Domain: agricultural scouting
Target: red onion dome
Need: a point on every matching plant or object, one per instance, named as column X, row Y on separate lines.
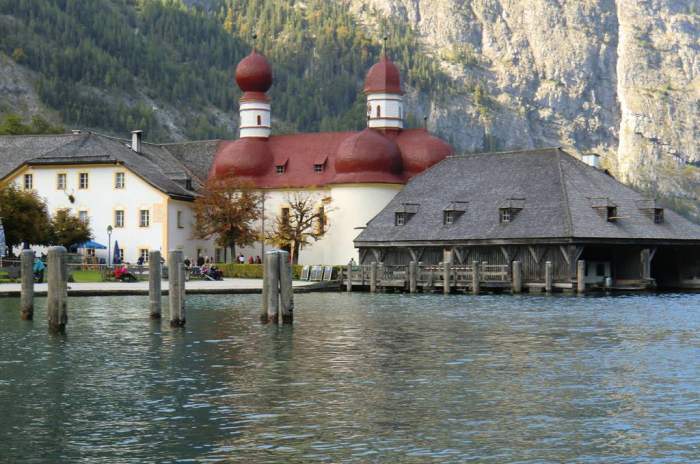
column 246, row 157
column 368, row 156
column 420, row 150
column 254, row 73
column 383, row 77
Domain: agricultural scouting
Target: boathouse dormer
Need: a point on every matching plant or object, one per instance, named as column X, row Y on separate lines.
column 405, row 213
column 651, row 208
column 605, row 208
column 509, row 208
column 453, row 212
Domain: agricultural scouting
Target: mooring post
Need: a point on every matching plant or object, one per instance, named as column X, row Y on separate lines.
column 154, row 284
column 265, row 290
column 286, row 290
column 446, row 271
column 581, row 276
column 548, row 277
column 412, row 277
column 272, row 274
column 517, row 277
column 57, row 296
column 27, row 295
column 373, row 277
column 476, row 277
column 183, row 291
column 348, row 275
column 174, row 288
column 645, row 258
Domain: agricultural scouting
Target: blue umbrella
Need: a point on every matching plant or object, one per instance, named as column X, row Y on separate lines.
column 92, row 245
column 117, row 256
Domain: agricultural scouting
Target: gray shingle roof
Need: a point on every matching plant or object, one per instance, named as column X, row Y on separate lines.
column 156, row 165
column 196, row 156
column 554, row 189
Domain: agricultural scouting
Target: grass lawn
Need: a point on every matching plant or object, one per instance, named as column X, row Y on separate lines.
column 87, row 276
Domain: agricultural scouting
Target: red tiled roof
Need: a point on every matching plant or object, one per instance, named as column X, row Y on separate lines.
column 368, row 156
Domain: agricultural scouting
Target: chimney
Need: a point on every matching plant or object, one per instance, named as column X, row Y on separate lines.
column 592, row 159
column 136, row 140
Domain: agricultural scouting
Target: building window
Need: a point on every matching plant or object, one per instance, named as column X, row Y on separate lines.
column 179, row 220
column 83, row 215
column 658, row 216
column 280, row 168
column 83, row 181
column 188, row 183
column 400, row 219
column 506, row 215
column 90, row 252
column 119, row 218
column 449, row 217
column 28, row 181
column 379, row 111
column 119, row 180
column 612, row 213
column 60, row 181
column 318, row 168
column 259, row 121
column 143, row 254
column 144, row 218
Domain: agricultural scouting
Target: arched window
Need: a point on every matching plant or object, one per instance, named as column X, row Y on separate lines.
column 379, row 111
column 259, row 121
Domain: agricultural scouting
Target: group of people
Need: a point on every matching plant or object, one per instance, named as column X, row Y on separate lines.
column 204, row 267
column 240, row 259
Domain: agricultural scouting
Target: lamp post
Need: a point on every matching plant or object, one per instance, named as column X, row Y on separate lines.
column 109, row 245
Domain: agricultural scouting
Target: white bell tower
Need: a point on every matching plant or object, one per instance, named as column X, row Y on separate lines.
column 384, row 95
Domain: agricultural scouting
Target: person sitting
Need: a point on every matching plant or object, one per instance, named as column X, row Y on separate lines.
column 38, row 270
column 122, row 273
column 213, row 273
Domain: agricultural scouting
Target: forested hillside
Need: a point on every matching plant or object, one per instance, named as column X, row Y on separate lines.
column 167, row 67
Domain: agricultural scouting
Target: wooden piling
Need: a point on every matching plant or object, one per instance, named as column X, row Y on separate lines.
column 476, row 277
column 154, row 284
column 265, row 291
column 581, row 276
column 446, row 271
column 548, row 277
column 183, row 290
column 373, row 277
column 412, row 277
column 272, row 275
column 286, row 290
column 174, row 288
column 645, row 258
column 348, row 274
column 57, row 296
column 27, row 295
column 517, row 277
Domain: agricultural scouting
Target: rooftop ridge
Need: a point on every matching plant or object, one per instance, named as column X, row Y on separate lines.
column 507, row 152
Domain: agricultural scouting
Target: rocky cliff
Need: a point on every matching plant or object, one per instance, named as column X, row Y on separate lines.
column 617, row 77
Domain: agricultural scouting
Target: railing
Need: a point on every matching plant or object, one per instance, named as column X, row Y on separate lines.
column 428, row 275
column 495, row 273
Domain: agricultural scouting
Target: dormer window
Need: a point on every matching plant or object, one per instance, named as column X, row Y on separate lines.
column 405, row 213
column 281, row 166
column 188, row 184
column 318, row 168
column 652, row 209
column 605, row 208
column 454, row 210
column 509, row 208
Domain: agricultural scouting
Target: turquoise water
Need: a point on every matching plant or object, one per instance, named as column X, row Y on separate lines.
column 359, row 378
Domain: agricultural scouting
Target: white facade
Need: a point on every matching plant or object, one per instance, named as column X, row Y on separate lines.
column 109, row 193
column 255, row 119
column 350, row 207
column 385, row 110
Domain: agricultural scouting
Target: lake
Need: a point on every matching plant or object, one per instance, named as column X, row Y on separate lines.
column 358, row 378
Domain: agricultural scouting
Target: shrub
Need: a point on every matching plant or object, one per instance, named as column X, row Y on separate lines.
column 251, row 271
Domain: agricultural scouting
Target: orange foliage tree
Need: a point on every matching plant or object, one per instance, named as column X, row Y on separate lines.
column 227, row 209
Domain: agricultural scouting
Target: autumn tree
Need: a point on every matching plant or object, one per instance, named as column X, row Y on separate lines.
column 302, row 220
column 227, row 209
column 24, row 217
column 69, row 230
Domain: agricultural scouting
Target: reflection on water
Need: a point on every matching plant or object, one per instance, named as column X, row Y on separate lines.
column 359, row 378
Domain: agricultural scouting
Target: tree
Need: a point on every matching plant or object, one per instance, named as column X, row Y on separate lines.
column 301, row 221
column 68, row 230
column 227, row 209
column 24, row 217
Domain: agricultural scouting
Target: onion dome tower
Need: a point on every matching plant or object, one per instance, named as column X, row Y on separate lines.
column 254, row 77
column 384, row 95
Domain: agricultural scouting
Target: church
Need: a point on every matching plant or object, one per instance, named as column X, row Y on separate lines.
column 141, row 194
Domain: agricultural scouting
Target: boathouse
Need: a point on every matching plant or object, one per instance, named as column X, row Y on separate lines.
column 564, row 223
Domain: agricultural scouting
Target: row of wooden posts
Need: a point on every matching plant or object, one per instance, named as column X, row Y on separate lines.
column 277, row 287
column 57, row 293
column 516, row 281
